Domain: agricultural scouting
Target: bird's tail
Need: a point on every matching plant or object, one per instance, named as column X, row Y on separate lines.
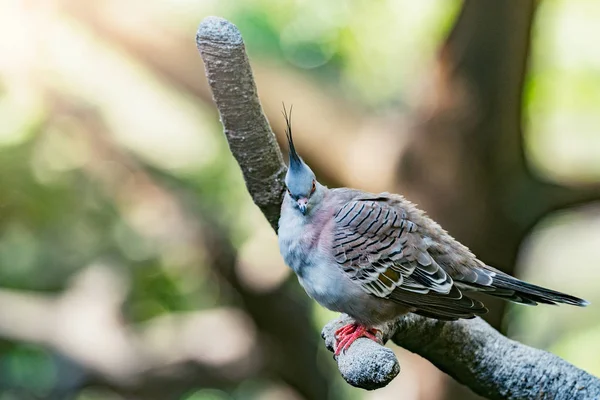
column 513, row 289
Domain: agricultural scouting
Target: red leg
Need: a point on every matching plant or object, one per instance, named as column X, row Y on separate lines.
column 347, row 334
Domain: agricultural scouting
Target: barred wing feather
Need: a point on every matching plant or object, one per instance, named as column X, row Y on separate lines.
column 380, row 248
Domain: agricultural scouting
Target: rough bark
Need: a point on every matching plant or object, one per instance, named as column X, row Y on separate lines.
column 248, row 132
column 471, row 351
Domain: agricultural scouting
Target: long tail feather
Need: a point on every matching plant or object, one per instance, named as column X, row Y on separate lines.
column 513, row 289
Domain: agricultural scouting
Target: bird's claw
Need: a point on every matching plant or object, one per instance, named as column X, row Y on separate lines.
column 347, row 334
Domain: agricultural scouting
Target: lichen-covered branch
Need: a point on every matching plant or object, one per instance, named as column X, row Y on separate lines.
column 469, row 350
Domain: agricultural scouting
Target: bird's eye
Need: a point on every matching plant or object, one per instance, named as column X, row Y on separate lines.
column 290, row 193
column 314, row 187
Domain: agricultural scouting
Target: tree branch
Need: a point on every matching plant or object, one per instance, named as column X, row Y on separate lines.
column 166, row 356
column 250, row 137
column 469, row 350
column 295, row 340
column 550, row 197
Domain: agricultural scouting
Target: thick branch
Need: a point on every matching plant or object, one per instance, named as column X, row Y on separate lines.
column 473, row 353
column 365, row 364
column 488, row 48
column 248, row 132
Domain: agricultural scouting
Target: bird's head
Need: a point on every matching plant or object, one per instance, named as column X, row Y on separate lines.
column 303, row 190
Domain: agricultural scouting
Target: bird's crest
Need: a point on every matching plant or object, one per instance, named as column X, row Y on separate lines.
column 295, row 160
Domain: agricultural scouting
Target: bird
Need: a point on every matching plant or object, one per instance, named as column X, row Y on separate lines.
column 376, row 257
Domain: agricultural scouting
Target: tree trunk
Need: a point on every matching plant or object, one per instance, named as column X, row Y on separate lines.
column 465, row 163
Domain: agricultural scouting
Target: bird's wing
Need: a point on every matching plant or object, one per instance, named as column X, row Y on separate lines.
column 379, row 247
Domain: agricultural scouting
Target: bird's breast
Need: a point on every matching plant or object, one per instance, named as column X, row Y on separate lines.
column 297, row 238
column 296, row 249
column 303, row 249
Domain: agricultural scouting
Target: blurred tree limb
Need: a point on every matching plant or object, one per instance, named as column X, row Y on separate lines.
column 470, row 351
column 199, row 229
column 467, row 145
column 155, row 361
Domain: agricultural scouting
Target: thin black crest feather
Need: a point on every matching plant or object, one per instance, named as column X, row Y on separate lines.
column 294, row 157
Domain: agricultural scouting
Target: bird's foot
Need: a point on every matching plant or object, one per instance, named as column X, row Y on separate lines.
column 347, row 334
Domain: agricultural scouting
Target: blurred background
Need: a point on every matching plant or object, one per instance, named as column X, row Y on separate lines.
column 133, row 263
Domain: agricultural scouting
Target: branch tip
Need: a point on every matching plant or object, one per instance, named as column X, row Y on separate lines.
column 217, row 29
column 366, row 364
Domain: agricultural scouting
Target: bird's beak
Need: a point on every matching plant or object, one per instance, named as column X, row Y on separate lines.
column 302, row 204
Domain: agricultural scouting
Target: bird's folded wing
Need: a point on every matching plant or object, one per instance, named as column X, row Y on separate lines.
column 380, row 248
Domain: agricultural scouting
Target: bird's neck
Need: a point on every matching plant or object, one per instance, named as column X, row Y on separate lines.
column 290, row 214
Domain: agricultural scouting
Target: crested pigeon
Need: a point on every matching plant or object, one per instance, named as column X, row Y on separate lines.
column 376, row 257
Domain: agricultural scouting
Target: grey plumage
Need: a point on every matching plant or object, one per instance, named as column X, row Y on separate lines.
column 376, row 257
